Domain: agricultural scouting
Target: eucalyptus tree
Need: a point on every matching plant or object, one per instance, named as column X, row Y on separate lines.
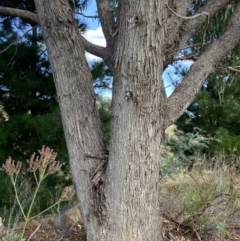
column 118, row 188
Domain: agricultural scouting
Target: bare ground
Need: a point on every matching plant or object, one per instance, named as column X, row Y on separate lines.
column 39, row 230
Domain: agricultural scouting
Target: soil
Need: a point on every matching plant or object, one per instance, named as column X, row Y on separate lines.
column 44, row 229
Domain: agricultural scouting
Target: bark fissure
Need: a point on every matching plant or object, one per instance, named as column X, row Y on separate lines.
column 98, row 179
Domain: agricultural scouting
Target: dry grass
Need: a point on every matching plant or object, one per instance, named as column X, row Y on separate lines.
column 205, row 200
column 44, row 229
column 200, row 205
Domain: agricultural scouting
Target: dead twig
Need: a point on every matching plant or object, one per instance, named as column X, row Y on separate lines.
column 198, row 237
column 188, row 17
column 39, row 225
column 234, row 68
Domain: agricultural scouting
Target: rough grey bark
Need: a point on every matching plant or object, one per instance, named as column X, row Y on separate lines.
column 118, row 195
column 136, row 123
column 80, row 117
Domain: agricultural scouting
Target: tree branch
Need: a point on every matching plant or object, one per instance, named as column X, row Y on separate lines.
column 188, row 17
column 86, row 16
column 173, row 24
column 99, row 51
column 106, row 19
column 93, row 48
column 23, row 14
column 32, row 18
column 190, row 27
column 191, row 84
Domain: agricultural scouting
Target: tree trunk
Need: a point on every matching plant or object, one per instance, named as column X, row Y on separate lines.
column 80, row 117
column 125, row 205
column 133, row 170
column 119, row 196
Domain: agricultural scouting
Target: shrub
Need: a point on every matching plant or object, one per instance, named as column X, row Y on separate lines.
column 207, row 198
column 41, row 167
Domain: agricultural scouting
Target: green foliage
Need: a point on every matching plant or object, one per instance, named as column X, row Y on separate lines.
column 20, row 65
column 213, row 28
column 12, row 237
column 25, row 131
column 229, row 142
column 216, row 109
column 179, row 150
column 104, row 105
column 7, row 199
column 102, row 77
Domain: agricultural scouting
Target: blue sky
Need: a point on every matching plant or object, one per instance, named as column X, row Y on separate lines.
column 91, row 11
column 94, row 31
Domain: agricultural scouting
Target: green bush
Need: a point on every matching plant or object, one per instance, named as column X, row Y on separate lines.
column 179, row 149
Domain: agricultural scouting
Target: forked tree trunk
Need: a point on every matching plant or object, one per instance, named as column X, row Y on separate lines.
column 119, row 196
column 123, row 205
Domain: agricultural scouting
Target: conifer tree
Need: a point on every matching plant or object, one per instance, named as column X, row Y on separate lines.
column 29, row 111
column 216, row 109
